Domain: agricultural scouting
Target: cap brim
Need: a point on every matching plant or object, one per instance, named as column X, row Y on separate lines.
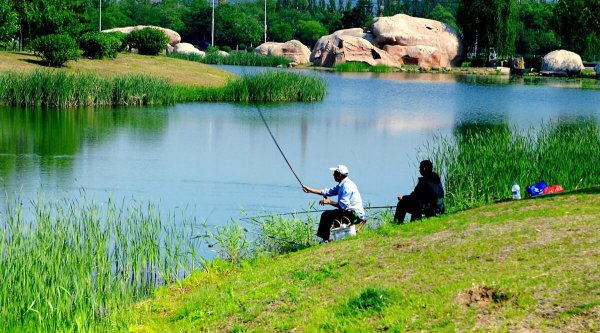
column 333, row 169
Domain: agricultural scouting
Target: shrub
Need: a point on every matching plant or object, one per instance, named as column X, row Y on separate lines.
column 98, row 45
column 226, row 48
column 122, row 37
column 148, row 41
column 56, row 50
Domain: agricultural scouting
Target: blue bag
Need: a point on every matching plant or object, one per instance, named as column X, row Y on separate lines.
column 536, row 189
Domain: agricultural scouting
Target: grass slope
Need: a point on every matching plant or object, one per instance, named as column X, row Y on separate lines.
column 528, row 266
column 177, row 71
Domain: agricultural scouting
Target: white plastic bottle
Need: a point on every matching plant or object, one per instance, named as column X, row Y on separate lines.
column 516, row 191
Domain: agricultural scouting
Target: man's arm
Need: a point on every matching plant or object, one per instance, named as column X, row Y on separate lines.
column 308, row 189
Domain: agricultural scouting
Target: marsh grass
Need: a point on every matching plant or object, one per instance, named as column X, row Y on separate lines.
column 235, row 58
column 67, row 265
column 276, row 86
column 59, row 89
column 481, row 162
column 355, row 66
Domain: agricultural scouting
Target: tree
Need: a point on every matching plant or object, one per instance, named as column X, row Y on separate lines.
column 578, row 23
column 310, row 31
column 9, row 22
column 359, row 16
column 535, row 32
column 234, row 26
column 488, row 25
column 440, row 13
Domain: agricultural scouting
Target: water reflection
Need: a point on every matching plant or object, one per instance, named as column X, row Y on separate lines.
column 44, row 142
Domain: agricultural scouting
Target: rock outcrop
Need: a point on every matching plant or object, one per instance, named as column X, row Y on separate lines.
column 292, row 50
column 562, row 62
column 187, row 48
column 414, row 40
column 349, row 45
column 174, row 37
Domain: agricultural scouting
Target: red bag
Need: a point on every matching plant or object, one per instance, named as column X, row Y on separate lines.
column 553, row 189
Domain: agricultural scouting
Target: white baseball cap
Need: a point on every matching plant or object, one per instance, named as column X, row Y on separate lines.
column 341, row 169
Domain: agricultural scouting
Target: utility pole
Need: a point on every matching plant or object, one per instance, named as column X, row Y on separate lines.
column 265, row 21
column 100, row 17
column 212, row 25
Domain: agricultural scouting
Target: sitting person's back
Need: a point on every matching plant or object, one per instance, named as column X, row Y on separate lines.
column 427, row 197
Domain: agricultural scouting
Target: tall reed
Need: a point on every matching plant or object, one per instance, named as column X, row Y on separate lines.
column 273, row 86
column 481, row 162
column 59, row 89
column 356, row 66
column 66, row 265
column 235, row 58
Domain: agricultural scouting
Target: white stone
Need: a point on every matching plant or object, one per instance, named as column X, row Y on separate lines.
column 174, row 37
column 562, row 62
column 349, row 45
column 292, row 50
column 433, row 43
column 187, row 48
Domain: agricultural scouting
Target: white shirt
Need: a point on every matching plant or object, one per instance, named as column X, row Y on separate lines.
column 348, row 196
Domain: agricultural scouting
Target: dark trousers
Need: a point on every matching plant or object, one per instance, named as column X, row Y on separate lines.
column 408, row 205
column 328, row 218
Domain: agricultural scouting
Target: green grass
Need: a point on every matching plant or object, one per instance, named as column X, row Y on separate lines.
column 68, row 265
column 264, row 87
column 60, row 89
column 480, row 163
column 355, row 66
column 500, row 268
column 235, row 58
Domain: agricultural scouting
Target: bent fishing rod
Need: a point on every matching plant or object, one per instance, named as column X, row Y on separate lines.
column 277, row 144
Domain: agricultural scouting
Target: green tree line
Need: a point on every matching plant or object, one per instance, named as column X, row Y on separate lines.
column 504, row 27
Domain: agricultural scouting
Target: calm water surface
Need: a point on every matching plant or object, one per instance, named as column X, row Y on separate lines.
column 218, row 159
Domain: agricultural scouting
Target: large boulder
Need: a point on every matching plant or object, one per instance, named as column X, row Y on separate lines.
column 174, row 37
column 562, row 62
column 292, row 50
column 187, row 48
column 415, row 40
column 597, row 68
column 349, row 45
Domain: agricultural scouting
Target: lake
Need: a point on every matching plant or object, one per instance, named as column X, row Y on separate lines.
column 217, row 160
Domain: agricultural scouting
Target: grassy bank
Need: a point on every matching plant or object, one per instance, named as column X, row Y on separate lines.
column 479, row 163
column 175, row 71
column 527, row 265
column 60, row 89
column 67, row 265
column 235, row 58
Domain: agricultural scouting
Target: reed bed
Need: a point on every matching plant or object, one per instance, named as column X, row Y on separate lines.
column 273, row 86
column 355, row 66
column 236, row 59
column 59, row 89
column 481, row 162
column 68, row 265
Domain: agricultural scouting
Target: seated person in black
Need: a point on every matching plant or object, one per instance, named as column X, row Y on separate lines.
column 427, row 197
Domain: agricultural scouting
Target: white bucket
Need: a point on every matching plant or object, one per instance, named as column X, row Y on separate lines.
column 343, row 231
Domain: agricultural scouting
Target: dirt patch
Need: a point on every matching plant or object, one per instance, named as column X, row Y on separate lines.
column 482, row 296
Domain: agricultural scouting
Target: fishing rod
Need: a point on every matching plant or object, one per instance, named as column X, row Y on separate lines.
column 306, row 212
column 277, row 144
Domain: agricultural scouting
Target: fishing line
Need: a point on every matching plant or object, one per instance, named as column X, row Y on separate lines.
column 277, row 144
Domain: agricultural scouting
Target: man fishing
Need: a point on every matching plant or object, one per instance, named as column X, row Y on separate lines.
column 427, row 197
column 349, row 204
